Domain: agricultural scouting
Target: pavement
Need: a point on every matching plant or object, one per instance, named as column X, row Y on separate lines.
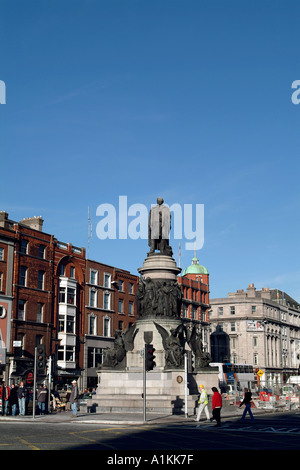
column 125, row 418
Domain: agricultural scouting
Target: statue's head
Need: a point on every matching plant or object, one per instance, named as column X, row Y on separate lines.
column 160, row 201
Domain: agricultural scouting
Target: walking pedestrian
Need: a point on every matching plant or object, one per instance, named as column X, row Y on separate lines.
column 4, row 395
column 13, row 399
column 216, row 406
column 74, row 398
column 42, row 398
column 22, row 397
column 203, row 403
column 247, row 402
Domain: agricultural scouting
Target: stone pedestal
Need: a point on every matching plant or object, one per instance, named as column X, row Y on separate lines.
column 158, row 266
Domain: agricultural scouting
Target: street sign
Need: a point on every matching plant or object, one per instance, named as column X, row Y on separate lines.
column 260, row 373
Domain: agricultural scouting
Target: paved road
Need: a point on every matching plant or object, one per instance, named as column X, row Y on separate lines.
column 278, row 431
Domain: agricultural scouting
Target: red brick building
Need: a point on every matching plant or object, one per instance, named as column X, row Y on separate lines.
column 28, row 280
column 194, row 282
column 51, row 294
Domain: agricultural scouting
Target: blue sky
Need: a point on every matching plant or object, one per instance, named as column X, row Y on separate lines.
column 184, row 99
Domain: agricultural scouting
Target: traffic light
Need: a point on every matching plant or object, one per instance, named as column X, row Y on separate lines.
column 190, row 362
column 41, row 360
column 149, row 357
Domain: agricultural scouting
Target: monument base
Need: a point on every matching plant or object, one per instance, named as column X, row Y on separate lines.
column 122, row 391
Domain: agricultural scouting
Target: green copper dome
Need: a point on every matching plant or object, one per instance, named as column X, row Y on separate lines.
column 195, row 268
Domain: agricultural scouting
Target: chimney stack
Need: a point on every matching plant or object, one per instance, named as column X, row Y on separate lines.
column 36, row 223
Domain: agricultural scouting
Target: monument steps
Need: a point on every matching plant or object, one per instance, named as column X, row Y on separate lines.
column 170, row 404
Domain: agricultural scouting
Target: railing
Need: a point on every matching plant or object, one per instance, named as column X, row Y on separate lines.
column 278, row 397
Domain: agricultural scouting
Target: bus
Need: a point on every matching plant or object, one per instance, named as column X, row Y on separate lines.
column 237, row 375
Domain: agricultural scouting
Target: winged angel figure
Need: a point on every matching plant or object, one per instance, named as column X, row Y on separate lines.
column 202, row 359
column 123, row 342
column 173, row 344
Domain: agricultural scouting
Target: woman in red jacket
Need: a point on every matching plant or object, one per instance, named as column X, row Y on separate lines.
column 216, row 406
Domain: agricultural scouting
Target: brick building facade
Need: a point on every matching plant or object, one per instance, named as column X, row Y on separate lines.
column 51, row 294
column 68, row 311
column 110, row 306
column 30, row 320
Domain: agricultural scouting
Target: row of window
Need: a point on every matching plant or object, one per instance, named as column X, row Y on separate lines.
column 255, row 358
column 62, row 271
column 24, row 278
column 67, row 295
column 233, row 311
column 189, row 311
column 24, row 248
column 94, row 279
column 234, row 342
column 107, row 302
column 195, row 294
column 270, row 311
column 22, row 311
column 67, row 353
column 66, row 323
column 92, row 325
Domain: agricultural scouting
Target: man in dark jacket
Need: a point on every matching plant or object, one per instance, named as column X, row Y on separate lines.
column 247, row 402
column 74, row 398
column 13, row 399
column 22, row 396
column 42, row 399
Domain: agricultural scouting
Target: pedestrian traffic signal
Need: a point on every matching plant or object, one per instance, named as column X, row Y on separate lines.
column 41, row 360
column 149, row 357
